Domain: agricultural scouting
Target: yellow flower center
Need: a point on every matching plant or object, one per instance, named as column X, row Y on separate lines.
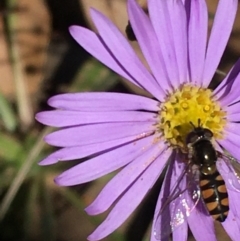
column 185, row 105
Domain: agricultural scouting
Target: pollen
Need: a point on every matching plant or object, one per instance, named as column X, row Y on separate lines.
column 185, row 106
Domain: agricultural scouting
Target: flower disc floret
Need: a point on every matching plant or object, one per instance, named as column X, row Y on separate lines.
column 187, row 105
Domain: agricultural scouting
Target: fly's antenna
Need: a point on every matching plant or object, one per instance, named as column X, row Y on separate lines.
column 199, row 122
column 194, row 127
column 198, row 126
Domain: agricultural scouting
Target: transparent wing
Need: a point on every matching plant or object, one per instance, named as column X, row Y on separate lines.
column 183, row 197
column 232, row 171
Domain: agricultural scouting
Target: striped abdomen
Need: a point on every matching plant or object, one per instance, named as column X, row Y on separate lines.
column 215, row 195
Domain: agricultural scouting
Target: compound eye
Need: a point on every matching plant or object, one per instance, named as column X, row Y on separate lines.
column 207, row 133
column 191, row 138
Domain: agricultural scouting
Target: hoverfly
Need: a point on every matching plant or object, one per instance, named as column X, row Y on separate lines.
column 200, row 180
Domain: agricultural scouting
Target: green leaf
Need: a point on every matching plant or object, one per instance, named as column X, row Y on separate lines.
column 7, row 114
column 31, row 189
column 10, row 147
column 47, row 219
column 94, row 76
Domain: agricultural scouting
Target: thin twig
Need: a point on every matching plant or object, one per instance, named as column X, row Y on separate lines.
column 221, row 72
column 23, row 100
column 21, row 175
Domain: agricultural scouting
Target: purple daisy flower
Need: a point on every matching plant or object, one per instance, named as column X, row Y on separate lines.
column 144, row 135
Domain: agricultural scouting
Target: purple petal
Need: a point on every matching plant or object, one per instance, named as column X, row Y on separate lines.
column 231, row 133
column 223, row 88
column 232, row 224
column 160, row 18
column 167, row 206
column 233, row 109
column 131, row 199
column 181, row 233
column 234, row 206
column 232, row 128
column 200, row 224
column 224, row 169
column 123, row 52
column 124, row 179
column 178, row 22
column 93, row 44
column 231, row 147
column 96, row 133
column 85, row 150
column 187, row 5
column 103, row 101
column 232, row 92
column 234, row 117
column 162, row 230
column 63, row 118
column 197, row 38
column 222, row 27
column 148, row 42
column 104, row 164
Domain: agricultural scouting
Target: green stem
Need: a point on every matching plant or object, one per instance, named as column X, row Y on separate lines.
column 21, row 175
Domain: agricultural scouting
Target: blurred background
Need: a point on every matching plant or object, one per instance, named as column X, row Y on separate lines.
column 38, row 59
